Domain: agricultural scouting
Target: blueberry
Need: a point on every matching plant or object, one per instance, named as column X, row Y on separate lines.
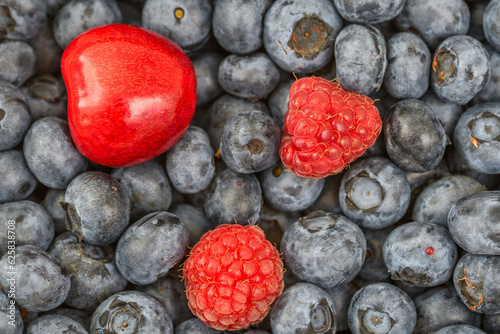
column 233, row 197
column 374, row 269
column 92, row 269
column 77, row 16
column 369, row 11
column 97, row 208
column 304, row 308
column 286, row 191
column 418, row 180
column 80, row 316
column 53, row 323
column 250, row 142
column 28, row 276
column 52, row 203
column 46, row 96
column 440, row 307
column 490, row 24
column 460, row 69
column 414, row 137
column 194, row 326
column 299, row 35
column 17, row 181
column 491, row 323
column 381, row 308
column 15, row 116
column 324, row 249
column 447, row 112
column 276, row 222
column 150, row 247
column 48, row 52
column 278, row 101
column 190, row 162
column 435, row 201
column 476, row 137
column 434, row 20
column 186, row 22
column 237, row 24
column 130, row 312
column 148, row 187
column 374, row 193
column 477, row 9
column 17, row 61
column 25, row 223
column 194, row 219
column 328, row 199
column 342, row 295
column 408, row 67
column 252, row 76
column 22, row 19
column 491, row 91
column 10, row 315
column 206, row 66
column 420, row 254
column 460, row 329
column 361, row 58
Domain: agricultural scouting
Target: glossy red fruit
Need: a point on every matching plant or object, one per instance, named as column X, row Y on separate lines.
column 131, row 93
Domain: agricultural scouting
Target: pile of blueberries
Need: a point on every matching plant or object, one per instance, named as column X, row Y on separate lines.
column 404, row 240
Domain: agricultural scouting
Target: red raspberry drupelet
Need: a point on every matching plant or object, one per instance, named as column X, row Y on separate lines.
column 232, row 276
column 326, row 127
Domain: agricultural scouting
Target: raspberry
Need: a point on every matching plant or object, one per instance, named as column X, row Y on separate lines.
column 326, row 127
column 232, row 276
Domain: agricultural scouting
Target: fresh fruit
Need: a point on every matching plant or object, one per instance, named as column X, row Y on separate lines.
column 131, row 94
column 232, row 276
column 326, row 127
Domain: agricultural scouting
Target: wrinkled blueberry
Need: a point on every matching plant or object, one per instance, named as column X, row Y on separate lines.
column 15, row 116
column 17, row 181
column 53, row 323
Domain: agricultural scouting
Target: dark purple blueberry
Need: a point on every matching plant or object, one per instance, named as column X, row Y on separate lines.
column 92, row 269
column 206, row 66
column 24, row 223
column 435, row 201
column 52, row 202
column 374, row 269
column 190, row 162
column 324, row 249
column 286, row 191
column 460, row 329
column 195, row 326
column 131, row 312
column 460, row 69
column 342, row 295
column 447, row 112
column 250, row 142
column 48, row 52
column 186, row 22
column 328, row 199
column 420, row 254
column 369, row 11
column 408, row 66
column 374, row 193
column 278, row 101
column 97, row 208
column 361, row 58
column 299, row 35
column 46, row 96
column 54, row 323
column 17, row 181
column 10, row 315
column 440, row 307
column 233, row 197
column 490, row 24
column 304, row 308
column 491, row 323
column 22, row 18
column 194, row 219
column 36, row 278
column 15, row 116
column 414, row 137
column 237, row 24
column 491, row 91
column 150, row 247
column 381, row 308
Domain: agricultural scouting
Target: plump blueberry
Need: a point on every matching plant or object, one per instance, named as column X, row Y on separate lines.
column 11, row 321
column 460, row 329
column 190, row 162
column 369, row 11
column 51, row 154
column 17, row 181
column 170, row 291
column 237, row 24
column 491, row 91
column 374, row 269
column 233, row 197
column 278, row 101
column 420, row 254
column 299, row 35
column 194, row 219
column 324, row 249
column 440, row 307
column 22, row 19
column 206, row 66
column 361, row 58
column 408, row 66
column 52, row 203
column 150, row 247
column 48, row 52
column 447, row 112
column 286, row 191
column 186, row 22
column 490, row 24
column 435, row 201
column 46, row 96
column 194, row 326
column 381, row 308
column 434, row 20
column 304, row 308
column 250, row 142
column 15, row 116
column 476, row 137
column 80, row 316
column 328, row 199
column 460, row 69
column 24, row 223
column 97, row 208
column 92, row 269
column 491, row 323
column 414, row 137
column 252, row 76
column 130, row 312
column 78, row 16
column 17, row 61
column 54, row 323
column 28, row 273
column 342, row 295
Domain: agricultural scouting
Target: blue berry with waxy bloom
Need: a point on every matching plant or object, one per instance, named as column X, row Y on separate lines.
column 369, row 11
column 447, row 112
column 374, row 269
column 490, row 23
column 52, row 202
column 195, row 326
column 16, row 72
column 342, row 295
column 54, row 323
column 491, row 91
column 278, row 101
column 17, row 180
column 11, row 321
column 193, row 217
column 15, row 115
column 328, row 199
column 23, row 19
column 46, row 96
column 81, row 316
column 491, row 323
column 206, row 65
column 48, row 52
column 460, row 329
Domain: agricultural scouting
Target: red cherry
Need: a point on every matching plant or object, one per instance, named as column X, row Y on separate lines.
column 429, row 250
column 131, row 94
